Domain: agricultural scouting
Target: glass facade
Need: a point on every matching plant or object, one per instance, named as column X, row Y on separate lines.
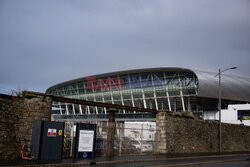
column 153, row 89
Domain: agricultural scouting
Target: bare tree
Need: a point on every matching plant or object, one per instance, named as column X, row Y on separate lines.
column 18, row 92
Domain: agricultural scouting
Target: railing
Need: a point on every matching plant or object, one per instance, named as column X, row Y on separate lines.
column 105, row 116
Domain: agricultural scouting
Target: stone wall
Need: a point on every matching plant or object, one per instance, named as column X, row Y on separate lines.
column 16, row 119
column 181, row 133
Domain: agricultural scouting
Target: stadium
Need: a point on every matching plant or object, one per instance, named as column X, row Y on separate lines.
column 172, row 89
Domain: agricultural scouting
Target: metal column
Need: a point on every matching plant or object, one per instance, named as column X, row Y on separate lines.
column 155, row 98
column 181, row 93
column 73, row 108
column 67, row 110
column 60, row 107
column 103, row 100
column 166, row 86
column 80, row 108
column 86, row 96
column 131, row 93
column 143, row 93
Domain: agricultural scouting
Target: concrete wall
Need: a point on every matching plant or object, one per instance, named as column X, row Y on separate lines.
column 16, row 119
column 179, row 133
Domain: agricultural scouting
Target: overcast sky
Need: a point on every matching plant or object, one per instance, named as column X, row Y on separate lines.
column 45, row 42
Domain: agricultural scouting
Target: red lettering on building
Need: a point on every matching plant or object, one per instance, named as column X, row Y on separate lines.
column 101, row 84
column 119, row 83
column 90, row 82
column 110, row 83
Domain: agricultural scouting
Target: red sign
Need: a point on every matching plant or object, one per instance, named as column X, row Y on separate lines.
column 51, row 133
column 109, row 83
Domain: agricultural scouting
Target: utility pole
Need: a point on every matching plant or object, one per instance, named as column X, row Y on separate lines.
column 219, row 105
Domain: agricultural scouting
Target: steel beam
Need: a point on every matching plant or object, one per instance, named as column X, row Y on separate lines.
column 99, row 104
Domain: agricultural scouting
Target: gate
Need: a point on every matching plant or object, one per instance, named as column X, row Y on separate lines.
column 114, row 137
column 136, row 138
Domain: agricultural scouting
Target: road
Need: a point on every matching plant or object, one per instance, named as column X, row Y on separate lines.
column 242, row 160
column 212, row 160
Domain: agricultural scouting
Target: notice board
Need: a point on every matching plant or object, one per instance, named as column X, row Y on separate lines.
column 85, row 140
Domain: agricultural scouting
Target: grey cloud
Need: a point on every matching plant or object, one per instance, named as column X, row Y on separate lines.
column 46, row 42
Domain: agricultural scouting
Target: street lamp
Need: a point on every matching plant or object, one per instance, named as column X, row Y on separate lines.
column 221, row 71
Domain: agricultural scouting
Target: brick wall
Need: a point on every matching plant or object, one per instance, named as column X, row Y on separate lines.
column 16, row 119
column 180, row 133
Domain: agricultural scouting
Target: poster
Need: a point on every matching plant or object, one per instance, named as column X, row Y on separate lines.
column 86, row 141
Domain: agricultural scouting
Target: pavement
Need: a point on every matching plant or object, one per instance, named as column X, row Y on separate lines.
column 141, row 160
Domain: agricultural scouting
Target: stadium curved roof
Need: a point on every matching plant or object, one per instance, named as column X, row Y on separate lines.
column 233, row 87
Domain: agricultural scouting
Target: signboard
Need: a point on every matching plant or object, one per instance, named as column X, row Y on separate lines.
column 60, row 132
column 51, row 133
column 86, row 141
column 135, row 82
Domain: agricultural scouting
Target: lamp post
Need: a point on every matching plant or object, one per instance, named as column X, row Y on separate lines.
column 221, row 71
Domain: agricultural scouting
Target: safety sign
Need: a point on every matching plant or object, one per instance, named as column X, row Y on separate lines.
column 51, row 133
column 59, row 132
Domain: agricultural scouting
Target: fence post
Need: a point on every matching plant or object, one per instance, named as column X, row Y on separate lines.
column 111, row 134
column 141, row 143
column 120, row 139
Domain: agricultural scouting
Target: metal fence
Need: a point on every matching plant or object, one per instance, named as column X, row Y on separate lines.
column 129, row 138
